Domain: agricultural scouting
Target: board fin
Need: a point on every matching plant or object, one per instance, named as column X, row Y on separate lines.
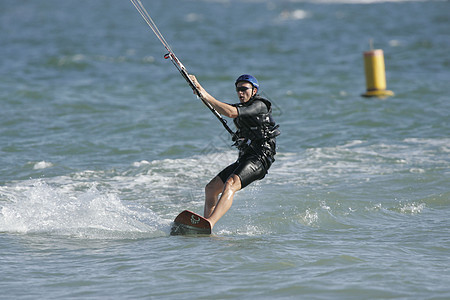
column 188, row 222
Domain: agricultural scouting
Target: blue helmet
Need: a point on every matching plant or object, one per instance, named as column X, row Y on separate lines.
column 248, row 78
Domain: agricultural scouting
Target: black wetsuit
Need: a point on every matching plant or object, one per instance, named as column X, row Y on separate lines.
column 256, row 141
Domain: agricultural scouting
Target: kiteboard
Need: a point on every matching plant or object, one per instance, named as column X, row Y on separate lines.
column 188, row 222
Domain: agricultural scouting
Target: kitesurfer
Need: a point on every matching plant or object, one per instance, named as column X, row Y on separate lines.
column 255, row 138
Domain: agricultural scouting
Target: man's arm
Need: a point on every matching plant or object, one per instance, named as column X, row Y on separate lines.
column 223, row 108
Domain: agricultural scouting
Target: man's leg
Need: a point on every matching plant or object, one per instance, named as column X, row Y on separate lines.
column 232, row 185
column 212, row 191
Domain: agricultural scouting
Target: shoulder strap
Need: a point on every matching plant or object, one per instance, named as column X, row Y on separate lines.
column 266, row 102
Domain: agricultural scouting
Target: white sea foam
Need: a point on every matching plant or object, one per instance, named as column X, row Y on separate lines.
column 40, row 207
column 140, row 163
column 297, row 14
column 42, row 165
column 88, row 203
column 359, row 160
column 412, row 208
column 310, row 218
column 91, row 201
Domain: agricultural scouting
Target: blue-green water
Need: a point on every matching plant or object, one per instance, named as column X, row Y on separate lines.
column 102, row 144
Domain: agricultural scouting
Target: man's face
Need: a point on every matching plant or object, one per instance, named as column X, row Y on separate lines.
column 245, row 91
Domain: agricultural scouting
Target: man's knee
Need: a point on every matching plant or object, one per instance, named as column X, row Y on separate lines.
column 233, row 183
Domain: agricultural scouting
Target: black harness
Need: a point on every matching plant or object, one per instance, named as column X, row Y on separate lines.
column 256, row 129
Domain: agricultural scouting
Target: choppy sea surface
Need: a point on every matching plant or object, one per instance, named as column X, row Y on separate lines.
column 102, row 144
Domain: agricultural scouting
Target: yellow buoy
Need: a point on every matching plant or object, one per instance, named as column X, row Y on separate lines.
column 375, row 74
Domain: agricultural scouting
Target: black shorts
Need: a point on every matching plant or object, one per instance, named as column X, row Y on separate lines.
column 248, row 170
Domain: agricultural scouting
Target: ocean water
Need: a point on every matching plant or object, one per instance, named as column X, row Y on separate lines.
column 102, row 144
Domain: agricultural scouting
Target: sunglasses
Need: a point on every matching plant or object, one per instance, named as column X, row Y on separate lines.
column 243, row 89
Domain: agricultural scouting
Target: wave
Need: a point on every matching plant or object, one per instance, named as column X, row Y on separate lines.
column 140, row 201
column 325, row 187
column 38, row 207
column 362, row 160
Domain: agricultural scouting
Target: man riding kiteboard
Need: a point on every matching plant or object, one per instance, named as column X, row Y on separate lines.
column 255, row 138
